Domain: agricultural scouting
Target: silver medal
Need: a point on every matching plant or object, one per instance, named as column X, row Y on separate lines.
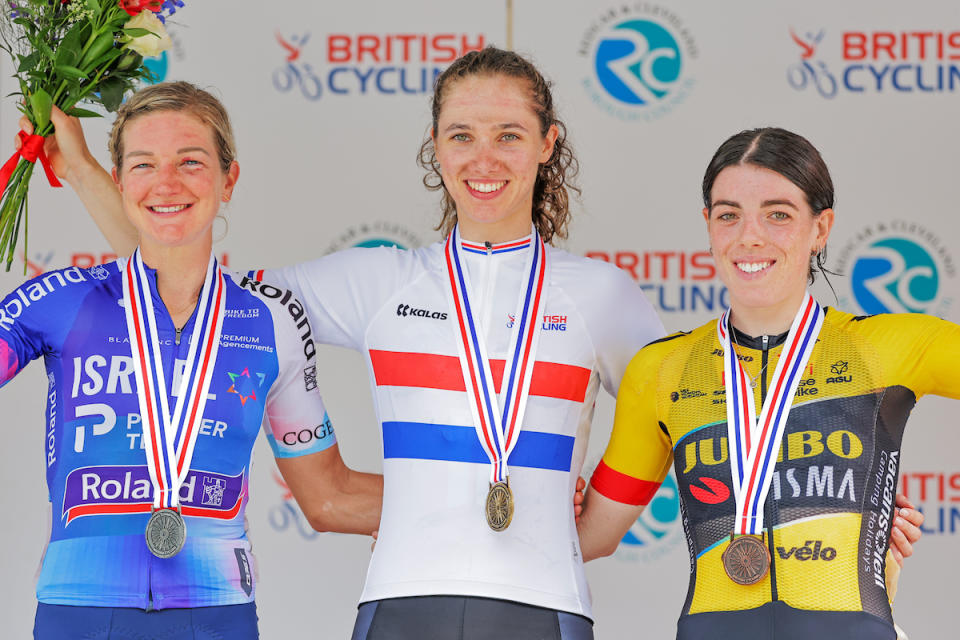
column 166, row 533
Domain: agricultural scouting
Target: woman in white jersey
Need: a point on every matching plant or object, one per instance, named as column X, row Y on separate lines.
column 461, row 546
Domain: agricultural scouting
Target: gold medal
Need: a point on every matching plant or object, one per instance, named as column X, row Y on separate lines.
column 746, row 559
column 499, row 506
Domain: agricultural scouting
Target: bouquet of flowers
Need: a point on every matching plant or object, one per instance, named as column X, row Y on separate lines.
column 66, row 52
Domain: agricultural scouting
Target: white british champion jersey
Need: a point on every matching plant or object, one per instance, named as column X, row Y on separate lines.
column 434, row 539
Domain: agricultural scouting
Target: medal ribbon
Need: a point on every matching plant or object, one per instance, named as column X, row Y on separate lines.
column 753, row 443
column 169, row 440
column 498, row 424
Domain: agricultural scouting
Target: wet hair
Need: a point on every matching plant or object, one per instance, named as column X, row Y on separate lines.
column 551, row 201
column 176, row 96
column 790, row 155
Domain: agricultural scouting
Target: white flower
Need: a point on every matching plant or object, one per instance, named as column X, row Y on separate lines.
column 155, row 42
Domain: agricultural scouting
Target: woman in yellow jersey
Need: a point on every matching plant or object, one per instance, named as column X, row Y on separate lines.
column 787, row 458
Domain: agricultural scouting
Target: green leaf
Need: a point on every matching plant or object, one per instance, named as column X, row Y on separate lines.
column 77, row 112
column 111, row 93
column 94, row 5
column 41, row 103
column 71, row 73
column 29, row 61
column 101, row 45
column 68, row 51
column 136, row 32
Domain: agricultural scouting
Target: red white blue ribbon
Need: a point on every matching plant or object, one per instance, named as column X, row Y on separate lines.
column 169, row 439
column 498, row 421
column 754, row 443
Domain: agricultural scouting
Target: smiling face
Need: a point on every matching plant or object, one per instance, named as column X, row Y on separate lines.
column 171, row 181
column 489, row 147
column 763, row 232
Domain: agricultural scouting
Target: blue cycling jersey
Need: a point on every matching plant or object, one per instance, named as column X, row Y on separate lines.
column 97, row 477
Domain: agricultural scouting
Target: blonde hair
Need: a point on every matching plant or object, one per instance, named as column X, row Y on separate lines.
column 176, row 96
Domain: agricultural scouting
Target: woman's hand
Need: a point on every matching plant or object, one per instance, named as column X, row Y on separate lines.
column 66, row 148
column 906, row 529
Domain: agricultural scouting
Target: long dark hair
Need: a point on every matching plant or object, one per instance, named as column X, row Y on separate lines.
column 551, row 201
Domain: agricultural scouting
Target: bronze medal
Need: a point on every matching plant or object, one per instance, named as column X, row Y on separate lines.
column 166, row 533
column 499, row 506
column 746, row 559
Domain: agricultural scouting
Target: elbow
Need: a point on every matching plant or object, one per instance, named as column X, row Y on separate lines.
column 321, row 516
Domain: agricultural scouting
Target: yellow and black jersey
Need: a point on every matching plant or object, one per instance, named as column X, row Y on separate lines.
column 829, row 510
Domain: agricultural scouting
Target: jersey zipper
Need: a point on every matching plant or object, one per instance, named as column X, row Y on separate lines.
column 179, row 331
column 774, row 594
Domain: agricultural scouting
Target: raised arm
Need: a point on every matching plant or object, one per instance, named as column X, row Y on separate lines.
column 72, row 161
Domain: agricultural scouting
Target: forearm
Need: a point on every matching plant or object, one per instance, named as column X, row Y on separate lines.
column 99, row 195
column 352, row 506
column 603, row 524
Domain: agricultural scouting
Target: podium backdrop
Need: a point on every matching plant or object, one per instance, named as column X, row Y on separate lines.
column 331, row 101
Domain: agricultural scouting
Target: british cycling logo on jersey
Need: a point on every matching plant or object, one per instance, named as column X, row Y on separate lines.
column 921, row 62
column 897, row 267
column 550, row 322
column 639, row 58
column 658, row 529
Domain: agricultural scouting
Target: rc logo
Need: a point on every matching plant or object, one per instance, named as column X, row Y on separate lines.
column 376, row 234
column 639, row 58
column 657, row 530
column 897, row 267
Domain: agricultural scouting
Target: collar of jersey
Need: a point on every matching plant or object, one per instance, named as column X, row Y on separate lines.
column 513, row 247
column 160, row 309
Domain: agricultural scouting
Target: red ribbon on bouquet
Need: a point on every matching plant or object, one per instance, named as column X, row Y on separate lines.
column 31, row 149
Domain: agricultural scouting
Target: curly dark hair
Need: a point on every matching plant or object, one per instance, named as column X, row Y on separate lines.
column 551, row 201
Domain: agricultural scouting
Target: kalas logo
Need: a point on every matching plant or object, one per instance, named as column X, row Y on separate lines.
column 897, row 267
column 639, row 58
column 674, row 281
column 368, row 63
column 920, row 61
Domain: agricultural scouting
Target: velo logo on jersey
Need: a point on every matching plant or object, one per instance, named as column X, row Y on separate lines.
column 340, row 64
column 639, row 60
column 919, row 61
column 897, row 267
column 657, row 530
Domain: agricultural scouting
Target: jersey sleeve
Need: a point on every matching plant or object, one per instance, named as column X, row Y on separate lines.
column 342, row 291
column 22, row 317
column 639, row 454
column 925, row 351
column 622, row 321
column 295, row 421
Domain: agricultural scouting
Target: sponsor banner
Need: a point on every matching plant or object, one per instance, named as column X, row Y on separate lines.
column 315, row 65
column 658, row 530
column 900, row 266
column 937, row 495
column 912, row 59
column 379, row 233
column 674, row 280
column 637, row 61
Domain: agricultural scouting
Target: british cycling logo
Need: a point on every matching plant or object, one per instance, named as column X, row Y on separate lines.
column 366, row 64
column 936, row 494
column 657, row 530
column 375, row 234
column 897, row 267
column 287, row 514
column 639, row 58
column 674, row 280
column 921, row 61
